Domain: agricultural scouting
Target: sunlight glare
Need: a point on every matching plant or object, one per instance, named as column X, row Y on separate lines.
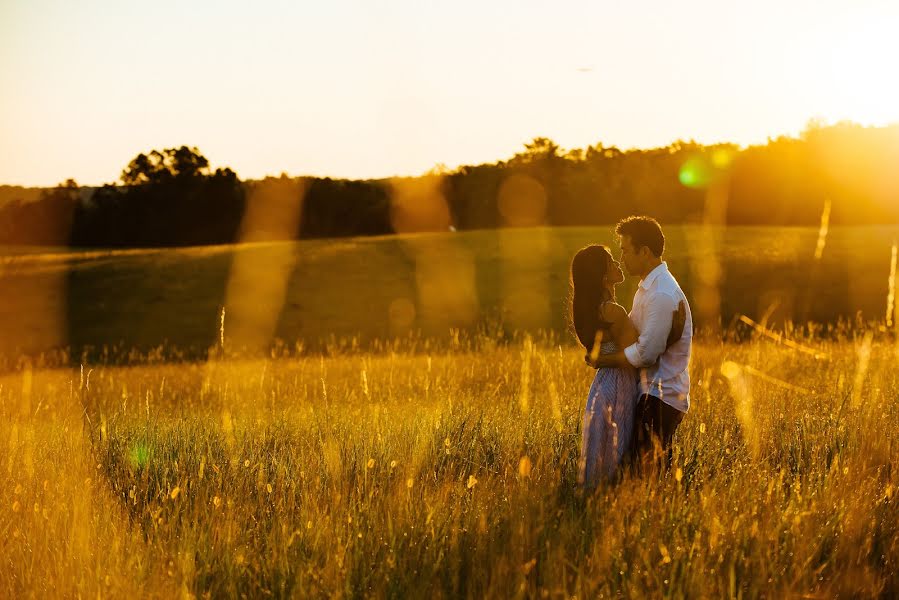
column 861, row 86
column 695, row 172
column 418, row 205
column 257, row 286
column 522, row 202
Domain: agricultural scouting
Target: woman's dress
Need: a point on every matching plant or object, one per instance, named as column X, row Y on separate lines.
column 608, row 422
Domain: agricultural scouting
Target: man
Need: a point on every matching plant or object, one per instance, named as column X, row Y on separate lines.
column 664, row 384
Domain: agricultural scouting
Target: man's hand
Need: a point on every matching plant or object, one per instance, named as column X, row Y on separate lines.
column 678, row 320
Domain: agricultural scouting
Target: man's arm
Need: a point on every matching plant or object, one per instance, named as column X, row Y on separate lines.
column 608, row 360
column 653, row 339
column 618, row 359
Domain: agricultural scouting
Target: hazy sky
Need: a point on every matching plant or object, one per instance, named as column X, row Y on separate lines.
column 369, row 88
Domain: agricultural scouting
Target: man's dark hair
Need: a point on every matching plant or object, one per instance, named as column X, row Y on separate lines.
column 643, row 231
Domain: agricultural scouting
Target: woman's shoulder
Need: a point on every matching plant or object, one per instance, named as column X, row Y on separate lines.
column 612, row 312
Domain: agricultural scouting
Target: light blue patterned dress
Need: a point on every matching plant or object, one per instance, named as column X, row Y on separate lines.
column 608, row 422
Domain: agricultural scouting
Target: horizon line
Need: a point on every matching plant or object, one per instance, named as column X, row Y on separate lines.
column 810, row 124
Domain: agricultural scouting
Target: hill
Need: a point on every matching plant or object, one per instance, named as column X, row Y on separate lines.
column 321, row 293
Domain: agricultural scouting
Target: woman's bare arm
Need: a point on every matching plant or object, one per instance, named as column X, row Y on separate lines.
column 623, row 331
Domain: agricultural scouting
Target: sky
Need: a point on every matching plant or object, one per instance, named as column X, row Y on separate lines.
column 371, row 88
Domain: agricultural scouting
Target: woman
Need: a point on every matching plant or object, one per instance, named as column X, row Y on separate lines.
column 602, row 326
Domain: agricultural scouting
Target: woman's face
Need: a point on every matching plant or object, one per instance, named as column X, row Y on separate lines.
column 614, row 274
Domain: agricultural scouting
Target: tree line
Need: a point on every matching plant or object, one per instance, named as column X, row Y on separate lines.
column 172, row 197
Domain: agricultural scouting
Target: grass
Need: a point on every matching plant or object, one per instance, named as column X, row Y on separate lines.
column 325, row 293
column 447, row 474
column 442, row 461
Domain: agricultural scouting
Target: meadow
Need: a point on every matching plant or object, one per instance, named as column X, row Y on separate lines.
column 447, row 475
column 442, row 465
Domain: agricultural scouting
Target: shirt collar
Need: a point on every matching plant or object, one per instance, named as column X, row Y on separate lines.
column 653, row 275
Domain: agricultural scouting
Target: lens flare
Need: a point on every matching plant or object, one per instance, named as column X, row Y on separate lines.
column 522, row 202
column 526, row 256
column 705, row 245
column 445, row 281
column 418, row 205
column 744, row 404
column 701, row 171
column 721, row 158
column 139, row 456
column 401, row 313
column 864, row 357
column 891, row 291
column 33, row 315
column 257, row 286
column 823, row 229
column 730, row 369
column 695, row 173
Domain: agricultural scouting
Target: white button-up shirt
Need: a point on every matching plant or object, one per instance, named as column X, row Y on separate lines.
column 663, row 373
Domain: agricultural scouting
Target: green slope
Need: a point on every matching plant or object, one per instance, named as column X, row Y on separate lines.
column 381, row 288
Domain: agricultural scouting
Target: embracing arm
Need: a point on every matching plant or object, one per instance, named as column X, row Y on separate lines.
column 657, row 327
column 628, row 338
column 618, row 359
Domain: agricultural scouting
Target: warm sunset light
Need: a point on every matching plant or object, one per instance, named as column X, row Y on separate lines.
column 472, row 299
column 858, row 84
column 359, row 90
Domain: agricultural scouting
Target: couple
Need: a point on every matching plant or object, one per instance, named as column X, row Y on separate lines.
column 641, row 390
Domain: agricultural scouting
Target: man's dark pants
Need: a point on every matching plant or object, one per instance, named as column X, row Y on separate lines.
column 655, row 423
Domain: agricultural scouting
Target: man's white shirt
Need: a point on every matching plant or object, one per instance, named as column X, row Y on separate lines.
column 663, row 373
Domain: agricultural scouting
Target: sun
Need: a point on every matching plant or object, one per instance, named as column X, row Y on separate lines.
column 861, row 84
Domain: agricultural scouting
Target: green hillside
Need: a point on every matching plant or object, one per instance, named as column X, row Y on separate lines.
column 381, row 288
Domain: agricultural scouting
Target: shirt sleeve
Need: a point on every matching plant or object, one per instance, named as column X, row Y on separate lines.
column 657, row 325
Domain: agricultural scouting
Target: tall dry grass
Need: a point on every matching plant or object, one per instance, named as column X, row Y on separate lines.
column 446, row 475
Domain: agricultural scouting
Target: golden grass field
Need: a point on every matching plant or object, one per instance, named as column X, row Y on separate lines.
column 448, row 474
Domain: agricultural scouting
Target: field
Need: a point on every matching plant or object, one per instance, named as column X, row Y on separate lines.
column 439, row 466
column 446, row 475
column 328, row 293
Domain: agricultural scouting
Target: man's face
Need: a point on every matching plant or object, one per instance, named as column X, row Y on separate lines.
column 632, row 259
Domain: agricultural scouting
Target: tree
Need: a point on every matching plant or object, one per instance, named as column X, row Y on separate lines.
column 170, row 198
column 46, row 221
column 540, row 149
column 161, row 167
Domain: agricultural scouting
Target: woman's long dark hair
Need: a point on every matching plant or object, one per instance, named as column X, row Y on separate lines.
column 588, row 268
